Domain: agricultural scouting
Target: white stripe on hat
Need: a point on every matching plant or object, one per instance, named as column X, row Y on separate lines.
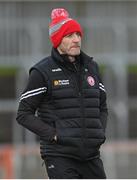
column 56, row 27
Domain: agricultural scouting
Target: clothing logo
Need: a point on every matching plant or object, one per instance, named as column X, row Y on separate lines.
column 51, row 166
column 56, row 70
column 61, row 82
column 56, row 82
column 91, row 81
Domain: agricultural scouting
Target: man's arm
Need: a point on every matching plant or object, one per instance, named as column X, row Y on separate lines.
column 29, row 102
column 103, row 101
column 103, row 109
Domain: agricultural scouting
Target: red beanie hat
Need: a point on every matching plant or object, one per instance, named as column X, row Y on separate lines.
column 61, row 26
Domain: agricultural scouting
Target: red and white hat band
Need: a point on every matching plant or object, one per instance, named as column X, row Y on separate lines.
column 56, row 27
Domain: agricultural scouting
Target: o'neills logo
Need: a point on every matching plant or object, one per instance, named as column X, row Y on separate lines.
column 61, row 82
column 91, row 81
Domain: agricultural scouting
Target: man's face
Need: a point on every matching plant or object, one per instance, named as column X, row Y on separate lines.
column 70, row 44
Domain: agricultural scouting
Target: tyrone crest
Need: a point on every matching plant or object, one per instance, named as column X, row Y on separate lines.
column 91, row 80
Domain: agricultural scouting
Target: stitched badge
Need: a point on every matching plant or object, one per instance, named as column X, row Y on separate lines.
column 91, row 80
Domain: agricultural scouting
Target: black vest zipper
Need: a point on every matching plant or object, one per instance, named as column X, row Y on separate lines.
column 78, row 80
column 76, row 77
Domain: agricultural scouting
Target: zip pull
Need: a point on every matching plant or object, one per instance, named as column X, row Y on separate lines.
column 79, row 93
column 75, row 66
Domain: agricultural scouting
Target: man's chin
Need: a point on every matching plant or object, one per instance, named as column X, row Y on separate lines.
column 76, row 53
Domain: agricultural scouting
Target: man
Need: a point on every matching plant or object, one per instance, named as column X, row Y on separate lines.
column 66, row 91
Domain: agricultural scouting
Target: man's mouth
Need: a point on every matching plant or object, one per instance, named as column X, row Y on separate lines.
column 75, row 47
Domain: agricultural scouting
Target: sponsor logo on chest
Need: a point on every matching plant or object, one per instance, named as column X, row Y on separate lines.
column 61, row 82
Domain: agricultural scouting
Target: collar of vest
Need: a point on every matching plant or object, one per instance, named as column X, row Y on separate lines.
column 55, row 55
column 63, row 60
column 82, row 60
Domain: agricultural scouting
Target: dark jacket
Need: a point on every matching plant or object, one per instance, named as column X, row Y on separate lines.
column 70, row 101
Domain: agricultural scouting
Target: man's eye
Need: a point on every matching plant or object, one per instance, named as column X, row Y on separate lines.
column 69, row 35
column 78, row 34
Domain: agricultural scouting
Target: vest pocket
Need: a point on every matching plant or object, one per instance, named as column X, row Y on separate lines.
column 68, row 136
